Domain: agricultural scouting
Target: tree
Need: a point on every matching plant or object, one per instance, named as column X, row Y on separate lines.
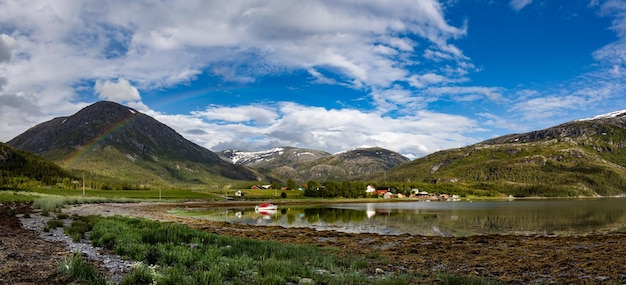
column 312, row 189
column 276, row 184
column 66, row 182
column 291, row 184
column 330, row 190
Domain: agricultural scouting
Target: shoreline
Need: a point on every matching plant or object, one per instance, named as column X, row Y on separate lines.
column 507, row 258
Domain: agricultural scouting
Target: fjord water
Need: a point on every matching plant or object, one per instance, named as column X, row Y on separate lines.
column 465, row 218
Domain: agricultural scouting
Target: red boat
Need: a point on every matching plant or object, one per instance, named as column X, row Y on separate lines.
column 265, row 207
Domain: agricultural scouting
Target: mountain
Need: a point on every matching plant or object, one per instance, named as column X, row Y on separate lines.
column 305, row 164
column 580, row 158
column 19, row 168
column 273, row 158
column 121, row 143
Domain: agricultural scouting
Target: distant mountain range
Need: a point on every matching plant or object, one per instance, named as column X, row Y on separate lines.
column 580, row 158
column 306, row 164
column 123, row 144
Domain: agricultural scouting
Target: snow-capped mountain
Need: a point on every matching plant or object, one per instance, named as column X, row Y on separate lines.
column 610, row 115
column 304, row 164
column 271, row 158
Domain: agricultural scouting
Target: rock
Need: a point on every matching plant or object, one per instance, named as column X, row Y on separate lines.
column 380, row 271
column 602, row 278
column 321, row 271
column 306, row 281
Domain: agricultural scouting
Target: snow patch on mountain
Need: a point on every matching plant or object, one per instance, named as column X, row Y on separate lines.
column 243, row 157
column 606, row 116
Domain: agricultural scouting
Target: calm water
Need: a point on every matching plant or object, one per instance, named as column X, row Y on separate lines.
column 520, row 217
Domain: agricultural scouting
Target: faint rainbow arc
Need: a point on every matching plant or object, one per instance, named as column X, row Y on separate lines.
column 80, row 153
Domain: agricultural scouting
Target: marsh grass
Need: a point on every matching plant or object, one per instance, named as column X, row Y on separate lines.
column 141, row 274
column 447, row 278
column 54, row 203
column 16, row 196
column 82, row 271
column 180, row 255
column 53, row 224
column 77, row 229
column 175, row 254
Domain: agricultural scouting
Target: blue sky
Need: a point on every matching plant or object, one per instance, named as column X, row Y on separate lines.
column 415, row 77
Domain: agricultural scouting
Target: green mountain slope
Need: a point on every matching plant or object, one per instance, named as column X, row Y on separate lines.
column 121, row 144
column 19, row 168
column 580, row 158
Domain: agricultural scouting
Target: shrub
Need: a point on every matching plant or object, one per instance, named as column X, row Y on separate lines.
column 78, row 228
column 142, row 274
column 53, row 224
column 80, row 270
column 62, row 216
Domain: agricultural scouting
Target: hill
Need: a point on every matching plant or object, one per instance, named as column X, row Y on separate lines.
column 306, row 164
column 19, row 168
column 122, row 144
column 580, row 158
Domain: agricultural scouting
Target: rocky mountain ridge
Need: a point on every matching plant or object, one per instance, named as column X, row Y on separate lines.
column 304, row 164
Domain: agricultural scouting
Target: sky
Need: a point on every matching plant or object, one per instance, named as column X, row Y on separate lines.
column 412, row 76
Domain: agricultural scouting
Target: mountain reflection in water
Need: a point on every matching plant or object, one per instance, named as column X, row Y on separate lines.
column 518, row 217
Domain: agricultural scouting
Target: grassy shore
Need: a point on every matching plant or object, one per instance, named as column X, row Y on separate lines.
column 175, row 254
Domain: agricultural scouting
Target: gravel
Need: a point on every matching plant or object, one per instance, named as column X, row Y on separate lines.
column 115, row 267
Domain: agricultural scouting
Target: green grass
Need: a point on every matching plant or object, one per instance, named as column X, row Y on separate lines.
column 82, row 271
column 174, row 254
column 16, row 196
column 152, row 194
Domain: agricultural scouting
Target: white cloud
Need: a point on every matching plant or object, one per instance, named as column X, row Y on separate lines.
column 500, row 122
column 320, row 78
column 165, row 44
column 6, row 44
column 519, row 4
column 460, row 93
column 120, row 91
column 423, row 80
column 240, row 114
column 332, row 130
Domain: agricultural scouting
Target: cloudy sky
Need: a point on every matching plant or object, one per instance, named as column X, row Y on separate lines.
column 413, row 76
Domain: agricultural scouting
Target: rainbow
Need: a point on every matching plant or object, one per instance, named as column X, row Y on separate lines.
column 80, row 153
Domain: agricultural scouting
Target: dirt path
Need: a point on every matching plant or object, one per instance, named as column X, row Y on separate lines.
column 512, row 259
